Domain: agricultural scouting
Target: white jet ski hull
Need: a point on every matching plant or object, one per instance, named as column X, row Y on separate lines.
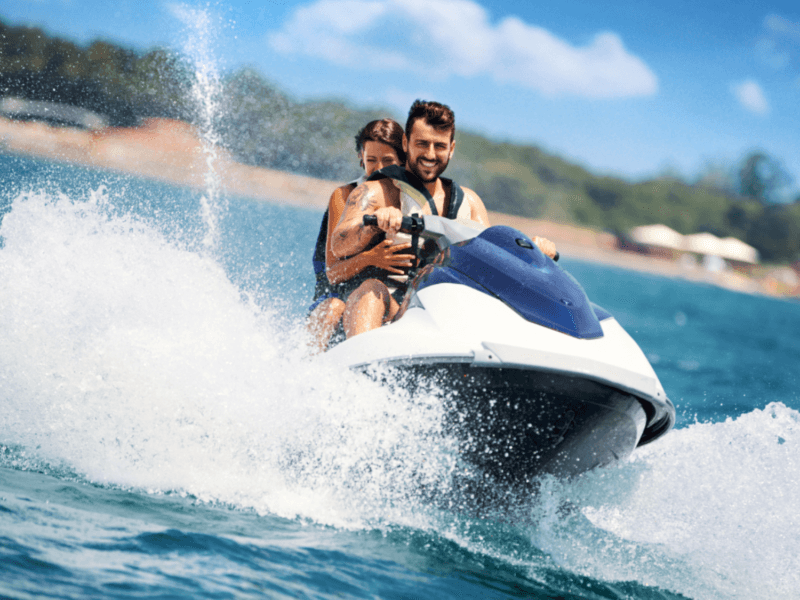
column 525, row 399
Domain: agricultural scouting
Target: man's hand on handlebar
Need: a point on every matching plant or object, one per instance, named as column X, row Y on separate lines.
column 413, row 224
column 547, row 247
column 389, row 219
column 416, row 225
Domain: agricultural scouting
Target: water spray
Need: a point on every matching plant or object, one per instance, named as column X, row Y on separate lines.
column 206, row 92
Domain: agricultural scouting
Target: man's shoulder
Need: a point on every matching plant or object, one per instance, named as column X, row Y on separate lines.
column 477, row 208
column 340, row 194
column 471, row 195
column 381, row 187
column 346, row 189
column 468, row 191
column 377, row 193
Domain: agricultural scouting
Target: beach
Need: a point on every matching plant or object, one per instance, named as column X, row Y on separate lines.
column 173, row 151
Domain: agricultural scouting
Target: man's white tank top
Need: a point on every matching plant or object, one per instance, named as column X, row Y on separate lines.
column 413, row 202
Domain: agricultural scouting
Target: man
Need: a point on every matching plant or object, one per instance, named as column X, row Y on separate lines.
column 393, row 193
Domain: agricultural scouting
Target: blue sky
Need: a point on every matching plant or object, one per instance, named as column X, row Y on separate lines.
column 621, row 87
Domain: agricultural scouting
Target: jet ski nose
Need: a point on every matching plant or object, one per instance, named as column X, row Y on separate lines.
column 516, row 244
column 526, row 280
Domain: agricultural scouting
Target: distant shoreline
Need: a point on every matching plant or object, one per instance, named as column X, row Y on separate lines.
column 171, row 151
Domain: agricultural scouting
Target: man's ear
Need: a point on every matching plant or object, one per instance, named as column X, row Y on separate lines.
column 405, row 144
column 361, row 159
column 452, row 148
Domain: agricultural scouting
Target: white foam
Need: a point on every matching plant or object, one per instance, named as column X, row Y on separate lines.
column 709, row 511
column 137, row 363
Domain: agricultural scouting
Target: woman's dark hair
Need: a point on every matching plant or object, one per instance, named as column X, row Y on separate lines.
column 439, row 116
column 387, row 131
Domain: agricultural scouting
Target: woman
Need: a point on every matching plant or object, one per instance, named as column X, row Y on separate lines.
column 379, row 144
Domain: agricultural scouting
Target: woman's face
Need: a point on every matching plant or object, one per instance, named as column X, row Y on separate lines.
column 377, row 155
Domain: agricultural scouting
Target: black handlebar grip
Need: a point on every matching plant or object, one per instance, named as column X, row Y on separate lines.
column 412, row 224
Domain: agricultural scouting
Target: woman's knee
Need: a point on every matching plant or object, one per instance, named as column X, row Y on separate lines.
column 335, row 307
column 373, row 287
column 329, row 310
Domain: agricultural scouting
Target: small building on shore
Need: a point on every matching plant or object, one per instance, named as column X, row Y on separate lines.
column 737, row 251
column 711, row 251
column 658, row 240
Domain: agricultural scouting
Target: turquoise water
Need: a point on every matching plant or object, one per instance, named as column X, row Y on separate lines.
column 163, row 434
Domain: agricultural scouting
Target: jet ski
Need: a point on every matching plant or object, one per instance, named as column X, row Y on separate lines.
column 537, row 379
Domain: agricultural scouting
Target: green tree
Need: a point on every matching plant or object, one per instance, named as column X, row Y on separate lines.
column 776, row 233
column 761, row 177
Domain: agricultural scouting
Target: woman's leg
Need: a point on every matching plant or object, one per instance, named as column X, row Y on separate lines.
column 322, row 323
column 368, row 307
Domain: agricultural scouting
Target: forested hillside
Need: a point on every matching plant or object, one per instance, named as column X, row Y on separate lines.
column 262, row 126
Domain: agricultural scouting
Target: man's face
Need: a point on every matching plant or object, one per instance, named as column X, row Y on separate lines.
column 428, row 151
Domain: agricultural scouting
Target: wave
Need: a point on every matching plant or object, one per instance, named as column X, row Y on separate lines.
column 707, row 512
column 129, row 359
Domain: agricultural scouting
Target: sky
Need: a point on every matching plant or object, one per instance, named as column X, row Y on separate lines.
column 622, row 87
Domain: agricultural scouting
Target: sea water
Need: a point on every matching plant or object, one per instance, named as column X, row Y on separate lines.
column 164, row 432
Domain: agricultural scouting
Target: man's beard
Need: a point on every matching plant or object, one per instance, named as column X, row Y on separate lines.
column 438, row 169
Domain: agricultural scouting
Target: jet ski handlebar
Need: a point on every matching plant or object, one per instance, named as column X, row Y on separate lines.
column 412, row 224
column 439, row 228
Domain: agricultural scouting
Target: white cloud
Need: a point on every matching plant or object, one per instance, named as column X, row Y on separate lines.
column 439, row 38
column 781, row 26
column 751, row 97
column 778, row 46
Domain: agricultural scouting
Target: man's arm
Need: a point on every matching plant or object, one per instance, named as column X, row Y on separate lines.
column 478, row 212
column 386, row 255
column 351, row 236
column 339, row 270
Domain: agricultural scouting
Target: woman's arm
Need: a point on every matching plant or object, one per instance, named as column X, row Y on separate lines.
column 385, row 255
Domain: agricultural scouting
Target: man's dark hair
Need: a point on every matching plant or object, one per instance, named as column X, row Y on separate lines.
column 387, row 131
column 439, row 116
